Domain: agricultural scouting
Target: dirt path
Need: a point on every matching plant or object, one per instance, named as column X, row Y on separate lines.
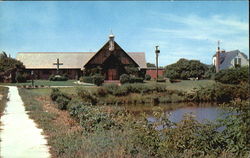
column 19, row 135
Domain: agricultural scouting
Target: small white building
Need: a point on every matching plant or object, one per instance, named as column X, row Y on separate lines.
column 231, row 59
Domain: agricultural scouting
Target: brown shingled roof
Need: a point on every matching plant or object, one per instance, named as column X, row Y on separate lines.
column 70, row 60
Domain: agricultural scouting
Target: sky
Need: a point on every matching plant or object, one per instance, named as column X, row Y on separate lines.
column 182, row 29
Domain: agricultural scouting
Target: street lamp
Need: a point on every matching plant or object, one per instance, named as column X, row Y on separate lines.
column 157, row 52
column 32, row 78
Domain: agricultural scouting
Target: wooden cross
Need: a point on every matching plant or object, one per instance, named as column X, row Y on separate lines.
column 57, row 64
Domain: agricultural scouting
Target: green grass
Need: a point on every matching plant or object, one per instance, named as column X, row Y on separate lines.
column 47, row 91
column 3, row 99
column 64, row 140
column 48, row 83
column 185, row 85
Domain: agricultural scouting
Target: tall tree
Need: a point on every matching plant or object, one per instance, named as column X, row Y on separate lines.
column 150, row 65
column 184, row 69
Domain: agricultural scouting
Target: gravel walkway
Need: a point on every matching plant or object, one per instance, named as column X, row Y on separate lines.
column 19, row 135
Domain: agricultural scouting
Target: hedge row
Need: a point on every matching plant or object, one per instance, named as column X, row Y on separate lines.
column 126, row 89
column 124, row 78
column 58, row 78
column 96, row 79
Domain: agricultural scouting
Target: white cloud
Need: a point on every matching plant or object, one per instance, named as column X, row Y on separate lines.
column 195, row 37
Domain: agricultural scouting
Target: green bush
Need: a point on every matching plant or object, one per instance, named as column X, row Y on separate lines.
column 136, row 80
column 111, row 88
column 86, row 79
column 87, row 96
column 147, row 77
column 62, row 102
column 58, row 78
column 78, row 108
column 121, row 91
column 233, row 75
column 219, row 93
column 98, row 79
column 90, row 117
column 124, row 78
column 60, row 98
column 54, row 94
column 101, row 91
column 210, row 73
column 21, row 77
column 184, row 69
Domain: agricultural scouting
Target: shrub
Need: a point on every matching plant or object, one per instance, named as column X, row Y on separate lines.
column 124, row 78
column 98, row 79
column 233, row 75
column 58, row 78
column 21, row 77
column 89, row 117
column 54, row 94
column 87, row 96
column 62, row 102
column 77, row 108
column 86, row 79
column 185, row 69
column 102, row 91
column 219, row 93
column 60, row 98
column 147, row 77
column 210, row 73
column 121, row 91
column 136, row 80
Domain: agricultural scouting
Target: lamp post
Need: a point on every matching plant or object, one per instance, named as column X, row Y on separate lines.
column 32, row 78
column 157, row 52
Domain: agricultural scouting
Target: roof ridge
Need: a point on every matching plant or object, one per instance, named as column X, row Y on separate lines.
column 52, row 52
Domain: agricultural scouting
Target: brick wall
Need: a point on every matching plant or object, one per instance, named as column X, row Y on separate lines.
column 152, row 72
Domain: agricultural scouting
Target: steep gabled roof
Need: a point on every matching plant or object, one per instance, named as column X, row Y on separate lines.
column 229, row 56
column 103, row 54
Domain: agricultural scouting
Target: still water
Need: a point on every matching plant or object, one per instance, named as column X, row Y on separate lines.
column 202, row 112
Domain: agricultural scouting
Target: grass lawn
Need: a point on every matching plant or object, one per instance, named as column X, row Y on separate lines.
column 47, row 91
column 185, row 85
column 63, row 133
column 48, row 83
column 3, row 99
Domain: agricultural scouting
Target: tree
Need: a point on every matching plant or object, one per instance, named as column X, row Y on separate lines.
column 184, row 69
column 10, row 67
column 150, row 65
column 7, row 63
column 233, row 75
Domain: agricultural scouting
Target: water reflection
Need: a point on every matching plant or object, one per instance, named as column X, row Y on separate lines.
column 202, row 112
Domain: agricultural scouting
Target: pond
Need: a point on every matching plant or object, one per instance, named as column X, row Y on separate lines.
column 202, row 112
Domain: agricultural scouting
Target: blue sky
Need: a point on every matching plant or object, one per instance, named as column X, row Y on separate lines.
column 182, row 29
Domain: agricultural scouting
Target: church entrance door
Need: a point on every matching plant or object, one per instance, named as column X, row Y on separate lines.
column 112, row 74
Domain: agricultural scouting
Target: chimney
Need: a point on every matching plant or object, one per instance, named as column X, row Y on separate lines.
column 111, row 42
column 217, row 64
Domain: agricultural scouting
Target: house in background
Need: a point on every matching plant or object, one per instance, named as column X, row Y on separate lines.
column 111, row 60
column 230, row 59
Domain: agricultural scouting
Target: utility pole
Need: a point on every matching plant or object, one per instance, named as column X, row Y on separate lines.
column 217, row 63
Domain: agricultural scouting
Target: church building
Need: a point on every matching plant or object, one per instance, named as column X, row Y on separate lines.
column 111, row 61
